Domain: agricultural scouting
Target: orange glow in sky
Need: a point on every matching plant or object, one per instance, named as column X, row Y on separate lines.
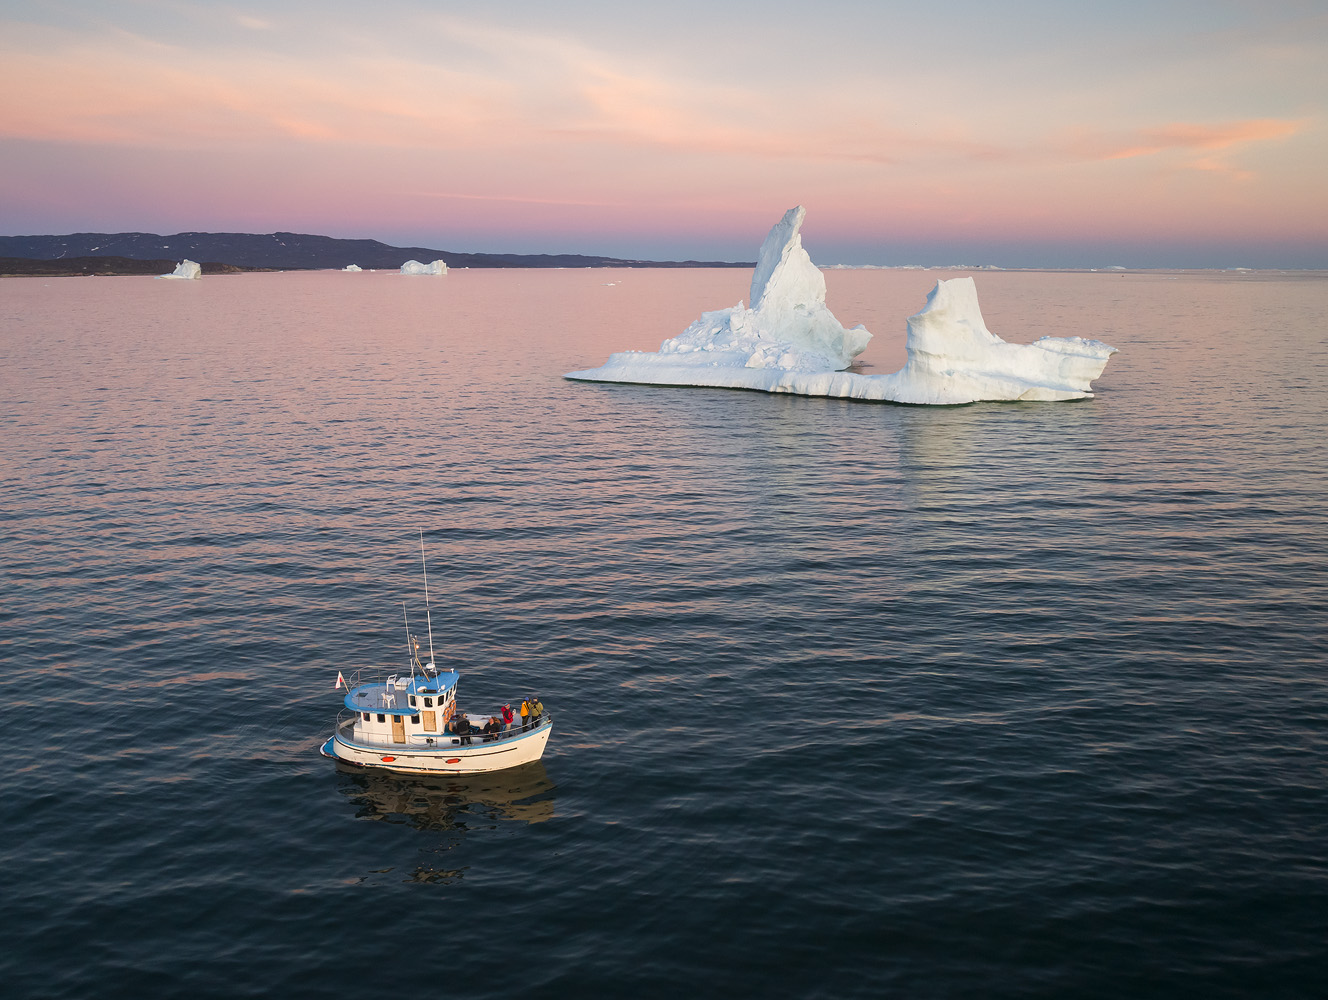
column 1187, row 133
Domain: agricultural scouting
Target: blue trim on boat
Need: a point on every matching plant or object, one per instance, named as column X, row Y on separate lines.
column 369, row 697
column 445, row 681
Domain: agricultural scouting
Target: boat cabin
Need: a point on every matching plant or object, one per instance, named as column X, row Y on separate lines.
column 409, row 710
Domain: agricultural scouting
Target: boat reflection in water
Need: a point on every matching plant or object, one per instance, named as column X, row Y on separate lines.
column 522, row 794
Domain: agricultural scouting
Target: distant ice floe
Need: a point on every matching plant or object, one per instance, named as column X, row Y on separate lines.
column 415, row 267
column 355, row 267
column 185, row 269
column 788, row 341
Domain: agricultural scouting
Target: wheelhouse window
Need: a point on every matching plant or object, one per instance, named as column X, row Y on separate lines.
column 412, row 701
column 382, row 717
column 428, row 703
column 415, row 719
column 366, row 716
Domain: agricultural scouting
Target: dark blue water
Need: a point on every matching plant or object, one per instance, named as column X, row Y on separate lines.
column 850, row 700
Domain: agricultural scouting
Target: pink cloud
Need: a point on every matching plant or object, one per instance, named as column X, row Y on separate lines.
column 1185, row 137
column 508, row 131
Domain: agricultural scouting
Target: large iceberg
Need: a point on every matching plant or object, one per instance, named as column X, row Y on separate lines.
column 185, row 269
column 788, row 341
column 415, row 267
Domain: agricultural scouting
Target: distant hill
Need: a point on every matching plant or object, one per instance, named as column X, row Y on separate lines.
column 72, row 266
column 293, row 251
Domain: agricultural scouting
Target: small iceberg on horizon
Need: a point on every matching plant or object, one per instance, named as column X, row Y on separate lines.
column 789, row 341
column 354, row 268
column 185, row 269
column 415, row 267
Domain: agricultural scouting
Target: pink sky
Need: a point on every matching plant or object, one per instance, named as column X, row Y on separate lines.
column 1022, row 133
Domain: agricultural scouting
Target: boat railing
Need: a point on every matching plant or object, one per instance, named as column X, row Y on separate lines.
column 380, row 676
column 514, row 730
column 346, row 730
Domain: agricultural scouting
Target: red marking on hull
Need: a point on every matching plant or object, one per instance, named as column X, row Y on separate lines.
column 387, row 760
column 453, row 760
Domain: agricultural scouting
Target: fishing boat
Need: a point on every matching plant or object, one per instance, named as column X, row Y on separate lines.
column 410, row 722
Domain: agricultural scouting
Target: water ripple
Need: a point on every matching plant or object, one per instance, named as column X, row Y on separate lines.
column 1000, row 700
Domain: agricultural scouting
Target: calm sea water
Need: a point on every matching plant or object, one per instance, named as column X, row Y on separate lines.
column 850, row 700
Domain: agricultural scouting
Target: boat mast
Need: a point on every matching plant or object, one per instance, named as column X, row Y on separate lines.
column 410, row 643
column 428, row 617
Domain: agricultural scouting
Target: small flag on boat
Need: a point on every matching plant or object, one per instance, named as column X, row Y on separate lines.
column 341, row 682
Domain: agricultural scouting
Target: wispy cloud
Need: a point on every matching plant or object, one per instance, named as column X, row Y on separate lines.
column 494, row 88
column 466, row 114
column 490, row 88
column 1192, row 145
column 512, row 199
column 1192, row 137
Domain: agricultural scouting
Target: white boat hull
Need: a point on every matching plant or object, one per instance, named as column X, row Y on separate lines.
column 476, row 758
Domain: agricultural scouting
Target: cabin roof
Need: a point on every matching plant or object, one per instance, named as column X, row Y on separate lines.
column 390, row 699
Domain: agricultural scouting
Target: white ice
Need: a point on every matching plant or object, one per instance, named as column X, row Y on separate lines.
column 185, row 269
column 354, row 267
column 415, row 267
column 788, row 341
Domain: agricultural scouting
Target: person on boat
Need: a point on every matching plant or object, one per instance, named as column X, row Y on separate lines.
column 536, row 710
column 507, row 717
column 463, row 730
column 491, row 729
column 525, row 716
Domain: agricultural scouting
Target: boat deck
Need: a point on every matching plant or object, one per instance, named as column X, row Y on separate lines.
column 391, row 694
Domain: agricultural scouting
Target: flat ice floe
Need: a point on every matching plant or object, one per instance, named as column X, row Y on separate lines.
column 788, row 341
column 185, row 269
column 415, row 267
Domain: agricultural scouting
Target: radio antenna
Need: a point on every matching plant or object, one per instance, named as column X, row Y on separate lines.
column 410, row 643
column 427, row 616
